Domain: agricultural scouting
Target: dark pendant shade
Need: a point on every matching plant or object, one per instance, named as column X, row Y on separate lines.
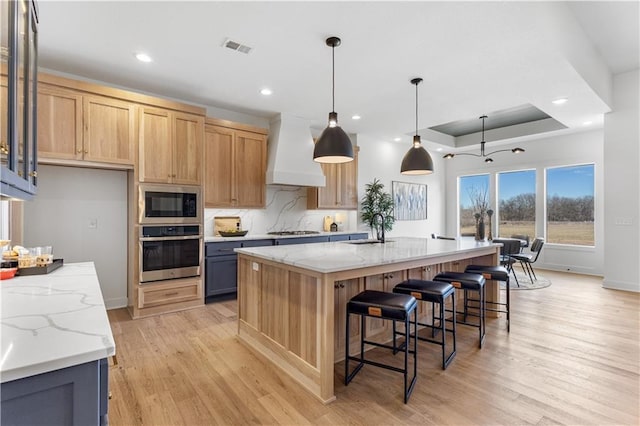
column 333, row 146
column 417, row 161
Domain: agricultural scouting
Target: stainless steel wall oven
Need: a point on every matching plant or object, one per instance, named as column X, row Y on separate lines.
column 169, row 251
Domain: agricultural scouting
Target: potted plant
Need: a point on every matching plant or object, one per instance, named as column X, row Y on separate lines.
column 377, row 200
column 480, row 200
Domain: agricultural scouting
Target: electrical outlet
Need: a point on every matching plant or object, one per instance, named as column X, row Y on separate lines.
column 93, row 223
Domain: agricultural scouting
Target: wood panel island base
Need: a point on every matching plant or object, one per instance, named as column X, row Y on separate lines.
column 292, row 299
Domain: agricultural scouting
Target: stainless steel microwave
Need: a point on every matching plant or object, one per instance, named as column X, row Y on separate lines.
column 168, row 204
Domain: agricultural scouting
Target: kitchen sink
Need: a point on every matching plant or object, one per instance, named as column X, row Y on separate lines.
column 368, row 241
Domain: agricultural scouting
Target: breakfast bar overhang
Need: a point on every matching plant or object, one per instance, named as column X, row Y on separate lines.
column 292, row 299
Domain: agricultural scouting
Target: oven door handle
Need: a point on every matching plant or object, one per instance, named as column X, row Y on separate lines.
column 179, row 238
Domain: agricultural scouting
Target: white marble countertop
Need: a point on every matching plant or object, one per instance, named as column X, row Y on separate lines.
column 52, row 321
column 212, row 239
column 344, row 256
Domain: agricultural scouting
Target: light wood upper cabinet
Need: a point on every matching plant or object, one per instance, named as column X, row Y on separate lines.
column 77, row 126
column 109, row 134
column 188, row 139
column 341, row 190
column 236, row 161
column 170, row 147
column 59, row 123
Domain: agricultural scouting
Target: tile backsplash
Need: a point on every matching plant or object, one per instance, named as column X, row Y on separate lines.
column 286, row 210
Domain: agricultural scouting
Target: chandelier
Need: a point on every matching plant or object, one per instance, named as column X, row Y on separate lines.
column 487, row 158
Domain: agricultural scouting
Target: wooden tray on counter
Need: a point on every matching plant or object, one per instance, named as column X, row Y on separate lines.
column 41, row 270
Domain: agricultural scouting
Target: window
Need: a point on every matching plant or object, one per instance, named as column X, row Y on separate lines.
column 570, row 205
column 517, row 203
column 471, row 189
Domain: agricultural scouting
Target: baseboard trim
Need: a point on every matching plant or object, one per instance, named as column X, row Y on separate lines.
column 621, row 285
column 118, row 302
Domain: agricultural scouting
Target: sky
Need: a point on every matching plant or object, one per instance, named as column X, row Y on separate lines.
column 572, row 181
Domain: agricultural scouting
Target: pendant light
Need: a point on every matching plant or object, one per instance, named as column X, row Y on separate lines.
column 486, row 157
column 333, row 145
column 417, row 160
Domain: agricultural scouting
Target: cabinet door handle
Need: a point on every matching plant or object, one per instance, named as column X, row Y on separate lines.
column 173, row 293
column 79, row 151
column 86, row 151
column 33, row 174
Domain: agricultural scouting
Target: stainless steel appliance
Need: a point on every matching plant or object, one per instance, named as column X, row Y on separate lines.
column 170, row 251
column 167, row 204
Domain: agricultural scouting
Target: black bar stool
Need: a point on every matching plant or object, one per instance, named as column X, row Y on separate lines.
column 498, row 273
column 434, row 292
column 468, row 282
column 389, row 306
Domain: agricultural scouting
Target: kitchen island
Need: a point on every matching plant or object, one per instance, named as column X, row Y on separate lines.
column 55, row 342
column 291, row 299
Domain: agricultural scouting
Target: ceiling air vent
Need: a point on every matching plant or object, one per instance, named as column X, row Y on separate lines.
column 234, row 45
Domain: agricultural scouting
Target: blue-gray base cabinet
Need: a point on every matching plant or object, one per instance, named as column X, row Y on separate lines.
column 221, row 261
column 221, row 266
column 75, row 395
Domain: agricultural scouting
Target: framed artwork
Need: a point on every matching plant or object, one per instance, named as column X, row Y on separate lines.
column 409, row 201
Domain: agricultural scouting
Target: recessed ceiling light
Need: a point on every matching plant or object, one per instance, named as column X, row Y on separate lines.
column 355, row 117
column 266, row 91
column 143, row 57
column 586, row 123
column 397, row 139
column 560, row 101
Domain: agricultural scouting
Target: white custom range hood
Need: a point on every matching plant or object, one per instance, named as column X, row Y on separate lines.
column 290, row 150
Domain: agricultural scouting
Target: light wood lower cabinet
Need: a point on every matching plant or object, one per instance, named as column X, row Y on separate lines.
column 381, row 282
column 345, row 290
column 167, row 296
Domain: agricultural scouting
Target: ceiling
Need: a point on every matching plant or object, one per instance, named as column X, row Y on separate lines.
column 475, row 57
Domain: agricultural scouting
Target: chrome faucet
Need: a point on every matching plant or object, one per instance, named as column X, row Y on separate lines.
column 380, row 234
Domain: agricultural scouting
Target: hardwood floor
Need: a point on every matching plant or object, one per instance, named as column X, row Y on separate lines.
column 572, row 357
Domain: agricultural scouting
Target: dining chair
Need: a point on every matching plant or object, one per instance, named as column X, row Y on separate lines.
column 524, row 238
column 528, row 259
column 510, row 246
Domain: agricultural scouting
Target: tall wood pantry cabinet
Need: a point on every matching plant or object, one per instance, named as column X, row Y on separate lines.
column 236, row 162
column 341, row 190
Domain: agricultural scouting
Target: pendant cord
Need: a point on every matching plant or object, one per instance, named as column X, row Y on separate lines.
column 333, row 79
column 482, row 141
column 416, row 109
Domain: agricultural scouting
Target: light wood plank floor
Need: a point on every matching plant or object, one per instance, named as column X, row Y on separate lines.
column 572, row 357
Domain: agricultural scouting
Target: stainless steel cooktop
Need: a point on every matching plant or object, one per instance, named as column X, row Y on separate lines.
column 292, row 232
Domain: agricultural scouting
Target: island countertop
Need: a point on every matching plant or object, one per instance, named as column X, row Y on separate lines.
column 347, row 255
column 52, row 321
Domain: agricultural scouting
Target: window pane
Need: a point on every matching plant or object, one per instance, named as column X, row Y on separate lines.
column 472, row 189
column 570, row 205
column 517, row 203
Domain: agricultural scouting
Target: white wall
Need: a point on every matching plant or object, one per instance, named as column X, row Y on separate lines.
column 69, row 200
column 381, row 159
column 622, row 185
column 568, row 149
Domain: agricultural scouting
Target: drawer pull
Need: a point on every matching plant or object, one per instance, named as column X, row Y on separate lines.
column 173, row 293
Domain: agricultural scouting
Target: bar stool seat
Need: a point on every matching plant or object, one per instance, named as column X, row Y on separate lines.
column 497, row 273
column 468, row 282
column 388, row 306
column 434, row 292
